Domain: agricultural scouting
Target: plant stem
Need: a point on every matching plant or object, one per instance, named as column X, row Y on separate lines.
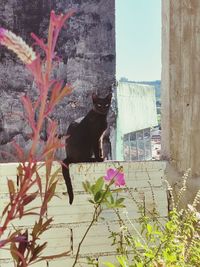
column 94, row 219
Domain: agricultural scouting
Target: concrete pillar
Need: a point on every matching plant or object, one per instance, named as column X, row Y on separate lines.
column 181, row 84
column 181, row 92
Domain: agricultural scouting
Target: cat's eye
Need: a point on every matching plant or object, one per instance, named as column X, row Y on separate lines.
column 107, row 105
column 99, row 105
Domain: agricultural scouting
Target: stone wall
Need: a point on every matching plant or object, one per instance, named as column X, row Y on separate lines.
column 87, row 47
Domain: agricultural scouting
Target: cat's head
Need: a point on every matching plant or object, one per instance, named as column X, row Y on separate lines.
column 101, row 105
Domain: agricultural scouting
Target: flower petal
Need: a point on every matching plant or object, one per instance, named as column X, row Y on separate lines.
column 120, row 181
column 110, row 174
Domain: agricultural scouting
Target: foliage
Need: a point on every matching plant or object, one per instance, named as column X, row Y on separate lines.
column 174, row 242
column 102, row 195
column 24, row 244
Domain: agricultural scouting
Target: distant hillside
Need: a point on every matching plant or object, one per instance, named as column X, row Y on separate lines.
column 157, row 85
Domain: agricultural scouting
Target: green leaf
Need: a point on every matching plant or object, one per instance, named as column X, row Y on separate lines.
column 97, row 196
column 139, row 264
column 119, row 200
column 138, row 244
column 149, row 254
column 122, row 261
column 149, row 229
column 108, row 264
column 91, row 201
column 85, row 186
column 118, row 190
column 111, row 199
column 99, row 184
column 92, row 188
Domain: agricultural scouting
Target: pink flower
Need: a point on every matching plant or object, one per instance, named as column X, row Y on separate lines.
column 116, row 175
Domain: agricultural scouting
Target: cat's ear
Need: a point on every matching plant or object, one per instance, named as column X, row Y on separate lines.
column 94, row 97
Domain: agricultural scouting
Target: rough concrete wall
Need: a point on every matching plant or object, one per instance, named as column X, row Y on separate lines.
column 87, row 47
column 165, row 78
column 180, row 87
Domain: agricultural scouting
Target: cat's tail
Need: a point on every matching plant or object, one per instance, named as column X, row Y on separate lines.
column 65, row 172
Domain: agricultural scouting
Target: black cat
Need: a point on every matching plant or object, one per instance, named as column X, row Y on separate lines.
column 83, row 143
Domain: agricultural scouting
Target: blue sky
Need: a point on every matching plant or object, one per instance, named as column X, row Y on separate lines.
column 138, row 39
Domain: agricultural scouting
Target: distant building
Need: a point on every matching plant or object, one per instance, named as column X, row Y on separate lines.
column 156, row 144
column 136, row 116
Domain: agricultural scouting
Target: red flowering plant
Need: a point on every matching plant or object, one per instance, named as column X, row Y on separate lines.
column 23, row 245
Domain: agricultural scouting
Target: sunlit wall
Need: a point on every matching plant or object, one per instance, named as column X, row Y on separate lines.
column 136, row 111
